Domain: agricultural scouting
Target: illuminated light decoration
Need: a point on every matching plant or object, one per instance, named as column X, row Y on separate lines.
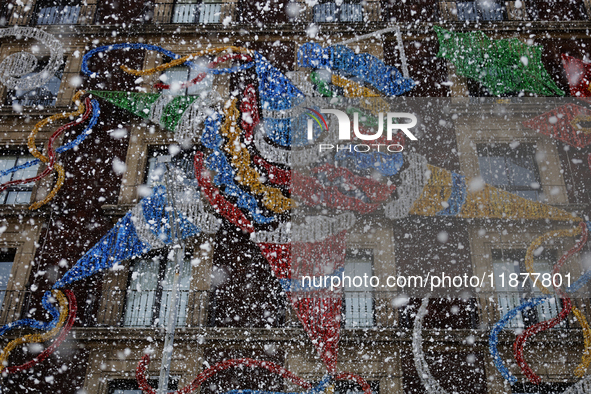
column 38, row 338
column 581, row 369
column 310, row 191
column 387, row 164
column 217, row 200
column 225, row 174
column 321, row 387
column 55, row 344
column 578, row 74
column 182, row 60
column 250, row 113
column 287, row 157
column 246, row 175
column 301, row 80
column 386, row 79
column 14, row 68
column 429, row 382
column 35, row 324
column 77, row 141
column 493, row 338
column 502, row 66
column 373, row 190
column 581, row 387
column 276, row 175
column 183, row 115
column 82, row 107
column 314, row 229
column 563, row 124
column 123, row 241
column 410, row 187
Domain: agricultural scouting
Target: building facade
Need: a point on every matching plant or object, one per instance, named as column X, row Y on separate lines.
column 232, row 305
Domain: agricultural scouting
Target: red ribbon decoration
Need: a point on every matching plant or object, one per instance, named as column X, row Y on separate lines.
column 217, row 201
column 72, row 306
column 313, row 193
column 578, row 74
column 51, row 151
column 249, row 106
column 548, row 324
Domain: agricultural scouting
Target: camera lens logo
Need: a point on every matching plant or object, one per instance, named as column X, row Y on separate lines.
column 317, row 116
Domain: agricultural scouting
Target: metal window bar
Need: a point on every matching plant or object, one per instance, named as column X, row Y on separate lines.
column 202, row 13
column 58, row 15
column 358, row 309
column 485, row 10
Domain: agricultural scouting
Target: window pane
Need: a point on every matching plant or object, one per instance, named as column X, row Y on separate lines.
column 142, row 292
column 493, row 170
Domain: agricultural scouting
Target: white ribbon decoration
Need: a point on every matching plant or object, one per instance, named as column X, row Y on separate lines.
column 412, row 182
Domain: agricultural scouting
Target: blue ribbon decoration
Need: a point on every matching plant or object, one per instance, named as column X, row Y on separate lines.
column 35, row 324
column 370, row 69
column 122, row 243
column 385, row 164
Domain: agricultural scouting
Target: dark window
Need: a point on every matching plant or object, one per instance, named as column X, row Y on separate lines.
column 118, row 12
column 57, row 12
column 480, row 10
column 351, row 11
column 6, row 262
column 513, row 169
column 349, row 387
column 129, row 386
column 43, row 96
column 149, row 290
column 507, row 263
column 197, row 11
column 542, row 388
column 17, row 194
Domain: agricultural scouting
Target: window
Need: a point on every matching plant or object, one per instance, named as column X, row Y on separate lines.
column 338, row 12
column 6, row 261
column 149, row 291
column 42, row 96
column 197, row 11
column 155, row 168
column 175, row 77
column 507, row 262
column 129, row 386
column 57, row 12
column 349, row 387
column 358, row 296
column 511, row 168
column 483, row 10
column 17, row 194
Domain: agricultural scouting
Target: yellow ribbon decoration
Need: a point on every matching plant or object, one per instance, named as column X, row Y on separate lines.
column 273, row 199
column 35, row 152
column 529, row 256
column 375, row 104
column 181, row 60
column 38, row 338
column 330, row 389
column 586, row 358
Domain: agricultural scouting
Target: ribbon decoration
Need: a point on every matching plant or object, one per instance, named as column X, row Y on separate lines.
column 578, row 74
column 65, row 320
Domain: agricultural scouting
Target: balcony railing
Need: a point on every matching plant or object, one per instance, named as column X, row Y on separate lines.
column 361, row 310
column 330, row 12
column 59, row 15
column 149, row 308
